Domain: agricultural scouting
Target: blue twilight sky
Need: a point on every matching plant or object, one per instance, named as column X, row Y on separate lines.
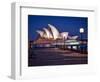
column 62, row 23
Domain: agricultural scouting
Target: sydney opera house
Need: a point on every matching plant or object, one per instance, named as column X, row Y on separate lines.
column 51, row 37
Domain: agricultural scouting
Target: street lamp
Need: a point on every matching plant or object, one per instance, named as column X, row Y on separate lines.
column 64, row 35
column 56, row 42
column 64, row 41
column 81, row 32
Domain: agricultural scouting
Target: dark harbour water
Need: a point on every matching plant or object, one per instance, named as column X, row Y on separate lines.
column 42, row 57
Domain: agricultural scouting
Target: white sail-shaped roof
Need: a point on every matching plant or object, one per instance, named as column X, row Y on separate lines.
column 40, row 33
column 73, row 37
column 47, row 33
column 64, row 35
column 54, row 31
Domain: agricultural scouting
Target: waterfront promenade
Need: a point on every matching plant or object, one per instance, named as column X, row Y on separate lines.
column 55, row 56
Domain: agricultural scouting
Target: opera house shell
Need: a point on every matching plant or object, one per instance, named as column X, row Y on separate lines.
column 51, row 33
